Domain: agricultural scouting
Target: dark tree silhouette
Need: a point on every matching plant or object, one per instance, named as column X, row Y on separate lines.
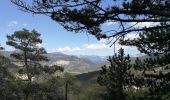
column 68, row 82
column 156, row 69
column 89, row 15
column 154, row 42
column 116, row 76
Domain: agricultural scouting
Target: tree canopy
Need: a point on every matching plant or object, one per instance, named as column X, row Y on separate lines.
column 29, row 53
column 116, row 76
column 153, row 42
column 89, row 15
column 155, row 69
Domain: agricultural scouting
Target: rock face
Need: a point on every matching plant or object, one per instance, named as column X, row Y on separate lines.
column 76, row 64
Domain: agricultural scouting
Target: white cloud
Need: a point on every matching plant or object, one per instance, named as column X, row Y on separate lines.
column 118, row 46
column 96, row 46
column 40, row 44
column 110, row 23
column 132, row 36
column 103, row 41
column 145, row 24
column 12, row 23
column 96, row 49
column 68, row 49
column 24, row 24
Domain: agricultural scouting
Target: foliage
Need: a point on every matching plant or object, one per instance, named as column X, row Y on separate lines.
column 154, row 42
column 6, row 77
column 92, row 92
column 69, row 82
column 30, row 55
column 89, row 15
column 28, row 51
column 52, row 69
column 116, row 76
column 155, row 71
column 47, row 90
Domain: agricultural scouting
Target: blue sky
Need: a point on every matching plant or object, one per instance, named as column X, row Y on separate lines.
column 55, row 37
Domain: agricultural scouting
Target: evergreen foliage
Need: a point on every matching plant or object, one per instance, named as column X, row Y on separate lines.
column 28, row 52
column 154, row 42
column 155, row 71
column 6, row 77
column 116, row 76
column 89, row 15
column 30, row 55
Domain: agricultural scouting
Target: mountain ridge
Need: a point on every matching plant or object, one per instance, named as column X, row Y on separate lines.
column 74, row 63
column 71, row 63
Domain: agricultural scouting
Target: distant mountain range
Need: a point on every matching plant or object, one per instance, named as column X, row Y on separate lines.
column 93, row 58
column 75, row 64
column 71, row 63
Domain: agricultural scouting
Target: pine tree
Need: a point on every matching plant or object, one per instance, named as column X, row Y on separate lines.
column 155, row 70
column 68, row 81
column 30, row 55
column 90, row 15
column 116, row 76
column 154, row 42
column 28, row 52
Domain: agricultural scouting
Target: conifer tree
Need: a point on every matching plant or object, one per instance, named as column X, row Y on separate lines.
column 116, row 76
column 156, row 69
column 28, row 52
column 90, row 15
column 68, row 81
column 6, row 77
column 154, row 42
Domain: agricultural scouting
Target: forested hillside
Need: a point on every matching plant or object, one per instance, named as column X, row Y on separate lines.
column 85, row 50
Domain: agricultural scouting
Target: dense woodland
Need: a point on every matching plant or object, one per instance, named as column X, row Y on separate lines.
column 24, row 77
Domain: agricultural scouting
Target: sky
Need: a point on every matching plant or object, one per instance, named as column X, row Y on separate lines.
column 55, row 37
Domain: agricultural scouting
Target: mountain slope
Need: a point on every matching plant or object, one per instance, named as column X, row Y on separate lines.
column 75, row 64
column 93, row 58
column 70, row 63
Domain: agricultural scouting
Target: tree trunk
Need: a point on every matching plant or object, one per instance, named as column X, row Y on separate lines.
column 26, row 65
column 66, row 91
